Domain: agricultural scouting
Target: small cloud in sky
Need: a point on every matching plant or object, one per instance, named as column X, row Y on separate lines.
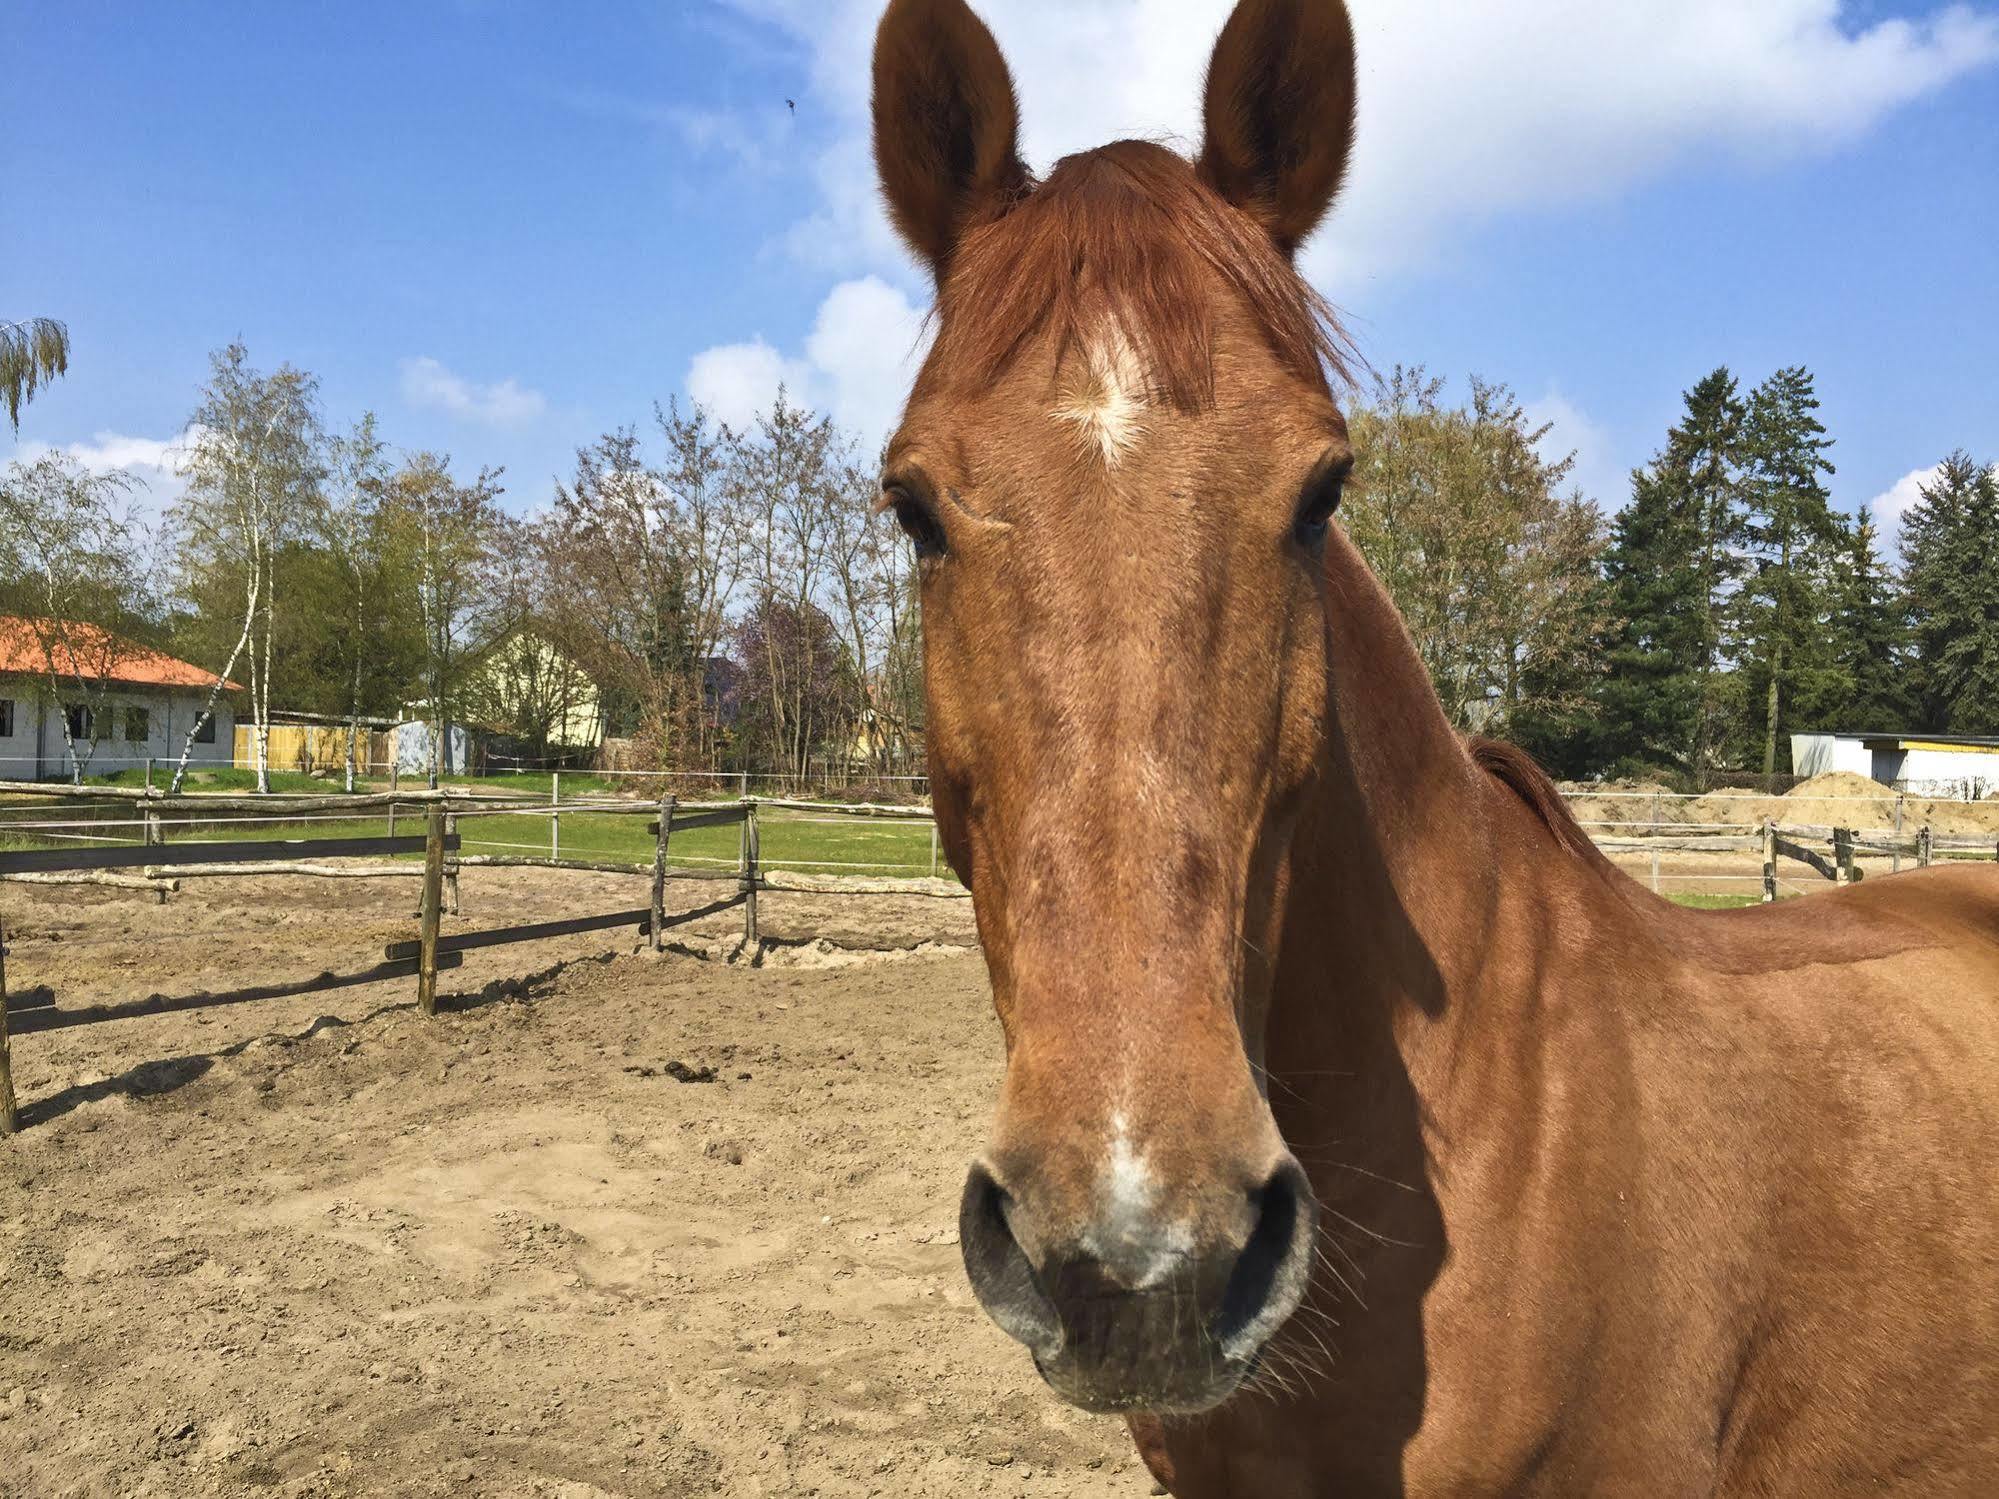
column 1597, row 472
column 752, row 140
column 856, row 366
column 151, row 463
column 429, row 386
column 1896, row 501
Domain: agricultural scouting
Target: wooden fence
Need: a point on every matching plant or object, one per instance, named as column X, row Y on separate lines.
column 153, row 864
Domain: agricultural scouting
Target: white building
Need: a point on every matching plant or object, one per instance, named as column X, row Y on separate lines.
column 1939, row 765
column 126, row 704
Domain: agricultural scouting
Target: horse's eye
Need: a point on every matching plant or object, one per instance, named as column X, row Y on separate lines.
column 1320, row 498
column 918, row 520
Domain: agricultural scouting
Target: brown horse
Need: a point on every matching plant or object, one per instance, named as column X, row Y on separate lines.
column 1364, row 1131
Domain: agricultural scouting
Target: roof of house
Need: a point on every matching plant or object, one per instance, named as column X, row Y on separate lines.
column 1909, row 739
column 93, row 653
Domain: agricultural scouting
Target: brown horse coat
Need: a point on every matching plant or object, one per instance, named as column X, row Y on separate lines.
column 1363, row 1131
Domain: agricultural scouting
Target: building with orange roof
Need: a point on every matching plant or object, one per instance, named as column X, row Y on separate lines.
column 125, row 703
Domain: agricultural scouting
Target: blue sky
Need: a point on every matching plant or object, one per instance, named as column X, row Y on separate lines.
column 506, row 226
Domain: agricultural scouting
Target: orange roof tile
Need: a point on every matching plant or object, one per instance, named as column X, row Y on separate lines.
column 94, row 654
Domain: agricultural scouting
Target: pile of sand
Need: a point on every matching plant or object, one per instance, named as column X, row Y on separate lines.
column 1838, row 798
column 1622, row 809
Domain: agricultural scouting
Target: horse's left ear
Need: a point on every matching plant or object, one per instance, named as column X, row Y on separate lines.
column 946, row 125
column 1279, row 115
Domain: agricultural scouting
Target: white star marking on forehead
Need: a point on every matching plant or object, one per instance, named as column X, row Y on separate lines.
column 1104, row 398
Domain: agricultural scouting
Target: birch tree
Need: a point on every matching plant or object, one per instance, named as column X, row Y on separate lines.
column 68, row 571
column 252, row 466
column 451, row 534
column 350, row 524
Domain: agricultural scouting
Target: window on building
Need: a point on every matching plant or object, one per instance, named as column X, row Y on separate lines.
column 206, row 733
column 79, row 724
column 138, row 725
column 6, row 718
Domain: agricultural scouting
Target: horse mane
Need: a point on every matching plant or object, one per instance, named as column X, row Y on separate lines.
column 1129, row 231
column 1515, row 769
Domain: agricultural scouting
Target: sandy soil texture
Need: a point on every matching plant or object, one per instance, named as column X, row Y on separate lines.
column 1837, row 798
column 633, row 1227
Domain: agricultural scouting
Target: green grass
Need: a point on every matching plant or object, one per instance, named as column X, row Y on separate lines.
column 1701, row 900
column 794, row 841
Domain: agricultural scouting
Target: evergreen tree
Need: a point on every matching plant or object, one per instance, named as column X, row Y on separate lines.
column 1792, row 539
column 1675, row 561
column 1866, row 686
column 1950, row 549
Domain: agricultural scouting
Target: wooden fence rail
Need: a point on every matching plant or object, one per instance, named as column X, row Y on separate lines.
column 139, row 856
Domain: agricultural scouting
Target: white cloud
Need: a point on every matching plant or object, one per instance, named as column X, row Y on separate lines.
column 856, row 365
column 734, row 382
column 149, row 462
column 1467, row 112
column 1597, row 471
column 1896, row 501
column 429, row 385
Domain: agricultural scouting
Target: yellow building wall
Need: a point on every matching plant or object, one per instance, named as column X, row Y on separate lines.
column 309, row 747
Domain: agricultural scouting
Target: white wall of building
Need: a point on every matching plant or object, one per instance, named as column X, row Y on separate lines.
column 1943, row 771
column 1819, row 754
column 35, row 749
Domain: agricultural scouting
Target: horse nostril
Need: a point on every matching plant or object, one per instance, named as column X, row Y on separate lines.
column 1002, row 1276
column 1271, row 1275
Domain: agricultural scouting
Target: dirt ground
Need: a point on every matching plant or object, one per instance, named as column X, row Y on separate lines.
column 634, row 1226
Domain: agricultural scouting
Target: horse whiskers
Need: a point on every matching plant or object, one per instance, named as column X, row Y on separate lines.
column 1361, row 1228
column 1387, row 1181
column 1334, row 1271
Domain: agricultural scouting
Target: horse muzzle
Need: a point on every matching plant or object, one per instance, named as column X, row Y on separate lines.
column 1132, row 1311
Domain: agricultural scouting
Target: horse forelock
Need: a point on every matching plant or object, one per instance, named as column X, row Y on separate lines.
column 1119, row 250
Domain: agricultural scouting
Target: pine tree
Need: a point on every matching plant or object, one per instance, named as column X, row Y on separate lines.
column 1869, row 644
column 1792, row 538
column 1674, row 563
column 1950, row 549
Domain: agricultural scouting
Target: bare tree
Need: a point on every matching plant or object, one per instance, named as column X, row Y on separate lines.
column 782, row 475
column 706, row 528
column 252, row 467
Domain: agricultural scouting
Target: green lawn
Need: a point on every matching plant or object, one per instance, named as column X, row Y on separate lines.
column 799, row 841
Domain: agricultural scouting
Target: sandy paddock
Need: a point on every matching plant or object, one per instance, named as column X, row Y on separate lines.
column 314, row 1244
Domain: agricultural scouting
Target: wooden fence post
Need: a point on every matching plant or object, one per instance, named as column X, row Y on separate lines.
column 667, row 803
column 1896, row 866
column 555, row 818
column 1769, row 860
column 395, row 785
column 1842, row 856
column 433, row 893
column 751, row 874
column 1923, row 836
column 9, row 1120
column 451, row 865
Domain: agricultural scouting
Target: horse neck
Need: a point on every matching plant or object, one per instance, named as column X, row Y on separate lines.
column 1416, row 884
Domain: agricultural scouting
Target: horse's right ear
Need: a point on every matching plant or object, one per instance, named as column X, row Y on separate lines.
column 946, row 125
